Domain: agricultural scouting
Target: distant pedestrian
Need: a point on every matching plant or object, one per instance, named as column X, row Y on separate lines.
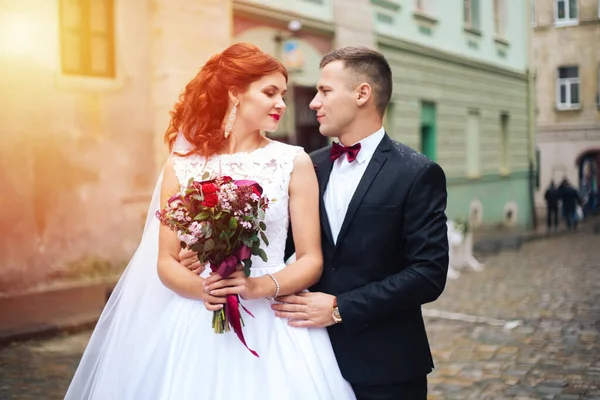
column 552, row 198
column 570, row 200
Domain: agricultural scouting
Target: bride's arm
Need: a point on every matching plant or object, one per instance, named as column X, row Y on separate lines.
column 304, row 214
column 170, row 271
column 306, row 230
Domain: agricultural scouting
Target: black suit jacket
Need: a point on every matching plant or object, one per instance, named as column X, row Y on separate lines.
column 390, row 258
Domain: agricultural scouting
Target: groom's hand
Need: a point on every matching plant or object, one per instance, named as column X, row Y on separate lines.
column 306, row 310
column 189, row 259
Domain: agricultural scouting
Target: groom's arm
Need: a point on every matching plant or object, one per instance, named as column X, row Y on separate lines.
column 423, row 279
column 290, row 248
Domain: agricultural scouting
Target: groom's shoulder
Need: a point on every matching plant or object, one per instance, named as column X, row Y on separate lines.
column 405, row 154
column 321, row 154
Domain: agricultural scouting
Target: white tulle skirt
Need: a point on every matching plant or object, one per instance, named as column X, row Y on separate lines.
column 152, row 344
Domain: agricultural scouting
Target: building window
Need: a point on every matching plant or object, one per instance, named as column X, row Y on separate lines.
column 87, row 37
column 473, row 145
column 504, row 162
column 567, row 88
column 428, row 130
column 390, row 117
column 538, row 159
column 566, row 12
column 425, row 6
column 598, row 87
column 500, row 18
column 471, row 14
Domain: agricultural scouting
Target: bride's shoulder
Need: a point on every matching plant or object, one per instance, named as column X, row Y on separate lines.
column 284, row 150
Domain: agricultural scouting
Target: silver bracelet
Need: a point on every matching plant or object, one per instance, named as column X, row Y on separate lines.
column 276, row 287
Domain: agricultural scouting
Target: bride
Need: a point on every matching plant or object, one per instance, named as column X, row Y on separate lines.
column 154, row 339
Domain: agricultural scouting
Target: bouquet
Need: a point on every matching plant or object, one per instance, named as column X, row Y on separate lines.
column 223, row 221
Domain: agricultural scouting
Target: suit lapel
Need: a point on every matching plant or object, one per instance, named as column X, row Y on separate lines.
column 323, row 172
column 379, row 158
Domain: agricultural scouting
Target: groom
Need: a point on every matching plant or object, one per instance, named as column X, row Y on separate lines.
column 384, row 239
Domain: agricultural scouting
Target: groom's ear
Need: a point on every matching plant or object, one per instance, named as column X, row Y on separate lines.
column 363, row 93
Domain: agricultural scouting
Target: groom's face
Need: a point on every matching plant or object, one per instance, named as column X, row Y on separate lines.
column 335, row 101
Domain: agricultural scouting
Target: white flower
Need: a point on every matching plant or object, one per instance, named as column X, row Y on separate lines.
column 179, row 215
column 187, row 239
column 196, row 229
column 247, row 224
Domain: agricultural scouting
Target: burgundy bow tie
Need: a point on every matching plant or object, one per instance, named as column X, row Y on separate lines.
column 351, row 152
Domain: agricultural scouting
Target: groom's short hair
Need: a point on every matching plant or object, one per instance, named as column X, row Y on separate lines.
column 367, row 64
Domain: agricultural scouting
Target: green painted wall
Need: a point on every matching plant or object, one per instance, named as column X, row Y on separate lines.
column 494, row 192
column 441, row 26
column 456, row 87
column 317, row 9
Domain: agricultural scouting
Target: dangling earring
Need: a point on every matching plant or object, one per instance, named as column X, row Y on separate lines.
column 230, row 121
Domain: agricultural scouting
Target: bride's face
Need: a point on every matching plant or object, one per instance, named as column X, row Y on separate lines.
column 262, row 105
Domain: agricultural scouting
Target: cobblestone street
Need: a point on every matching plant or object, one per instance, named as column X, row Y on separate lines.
column 526, row 327
column 552, row 287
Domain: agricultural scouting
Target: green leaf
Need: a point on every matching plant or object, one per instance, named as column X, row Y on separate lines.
column 190, row 181
column 261, row 213
column 247, row 265
column 202, row 216
column 262, row 255
column 198, row 247
column 262, row 226
column 205, row 176
column 264, row 238
column 208, row 231
column 233, row 223
column 247, row 241
column 209, row 245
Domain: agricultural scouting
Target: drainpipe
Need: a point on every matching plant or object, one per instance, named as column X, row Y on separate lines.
column 531, row 117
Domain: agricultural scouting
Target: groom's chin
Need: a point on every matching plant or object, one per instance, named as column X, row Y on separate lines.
column 325, row 132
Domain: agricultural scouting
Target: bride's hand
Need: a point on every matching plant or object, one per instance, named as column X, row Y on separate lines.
column 213, row 303
column 237, row 283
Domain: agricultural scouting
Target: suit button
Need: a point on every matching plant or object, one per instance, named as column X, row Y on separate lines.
column 334, row 268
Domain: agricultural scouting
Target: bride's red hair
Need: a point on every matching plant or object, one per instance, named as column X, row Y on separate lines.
column 201, row 108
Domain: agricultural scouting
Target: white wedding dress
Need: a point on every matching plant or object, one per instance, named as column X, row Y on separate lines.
column 151, row 343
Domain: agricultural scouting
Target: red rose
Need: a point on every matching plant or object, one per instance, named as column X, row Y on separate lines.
column 210, row 200
column 256, row 191
column 209, row 188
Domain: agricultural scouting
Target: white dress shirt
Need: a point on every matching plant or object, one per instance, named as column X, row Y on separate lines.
column 344, row 179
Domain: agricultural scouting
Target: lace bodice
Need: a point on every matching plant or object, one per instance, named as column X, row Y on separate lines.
column 271, row 166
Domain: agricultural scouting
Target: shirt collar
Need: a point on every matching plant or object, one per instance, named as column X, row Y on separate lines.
column 368, row 145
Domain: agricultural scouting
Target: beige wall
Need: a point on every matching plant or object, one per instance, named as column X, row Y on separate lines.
column 184, row 34
column 354, row 26
column 79, row 156
column 563, row 135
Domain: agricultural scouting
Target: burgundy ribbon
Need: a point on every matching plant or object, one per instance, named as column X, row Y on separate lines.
column 232, row 310
column 233, row 315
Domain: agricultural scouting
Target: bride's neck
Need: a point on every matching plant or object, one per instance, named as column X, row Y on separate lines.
column 244, row 143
